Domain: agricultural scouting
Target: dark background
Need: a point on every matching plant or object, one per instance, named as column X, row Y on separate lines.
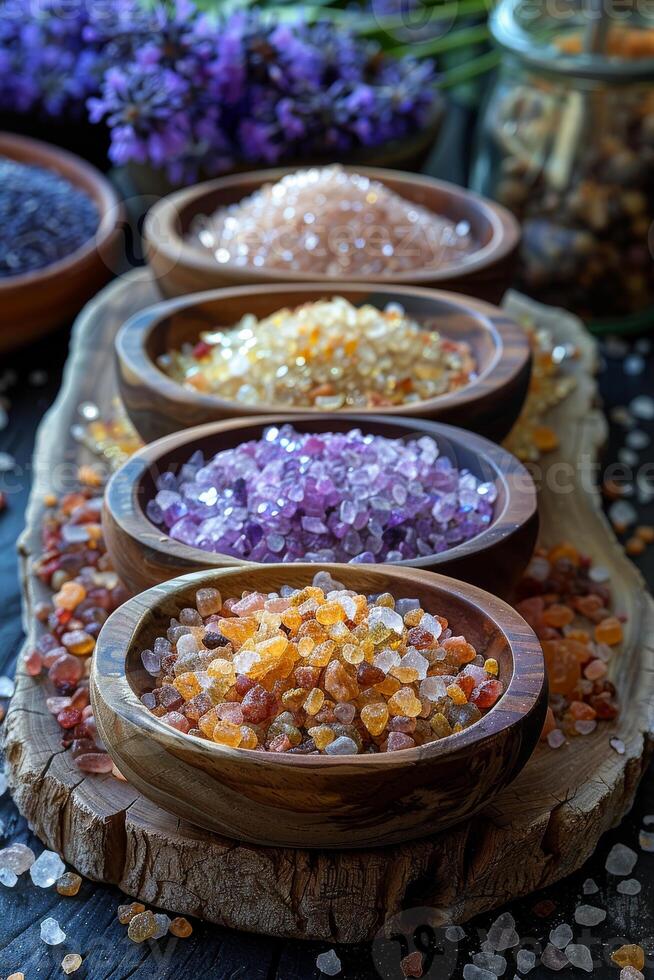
column 89, row 919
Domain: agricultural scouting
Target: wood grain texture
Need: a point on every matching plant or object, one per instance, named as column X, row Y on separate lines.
column 541, row 828
column 158, row 405
column 321, row 801
column 145, row 555
column 36, row 302
column 181, row 267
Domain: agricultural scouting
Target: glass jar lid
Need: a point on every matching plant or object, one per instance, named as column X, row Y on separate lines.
column 598, row 39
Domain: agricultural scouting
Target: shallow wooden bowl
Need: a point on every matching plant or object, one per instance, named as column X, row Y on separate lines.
column 320, row 801
column 182, row 267
column 144, row 555
column 158, row 405
column 36, row 302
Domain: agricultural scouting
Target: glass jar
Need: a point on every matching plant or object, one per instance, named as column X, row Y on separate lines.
column 566, row 142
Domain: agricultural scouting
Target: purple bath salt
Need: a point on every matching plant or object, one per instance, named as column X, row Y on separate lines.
column 344, row 497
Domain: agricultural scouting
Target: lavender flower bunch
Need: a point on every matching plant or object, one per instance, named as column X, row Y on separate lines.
column 191, row 93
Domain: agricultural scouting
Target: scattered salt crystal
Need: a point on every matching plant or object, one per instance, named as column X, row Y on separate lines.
column 598, row 573
column 525, row 960
column 433, row 688
column 642, row 407
column 617, row 745
column 633, row 365
column 431, row 625
column 17, row 857
column 490, row 961
column 7, row 463
column 51, row 933
column 590, row 887
column 631, row 973
column 622, row 513
column 71, row 962
column 555, row 738
column 4, row 784
column 502, row 934
column 472, row 972
column 342, row 746
column 637, row 439
column 585, row 726
column 646, row 841
column 648, row 819
column 46, row 869
column 6, row 687
column 329, row 963
column 561, row 935
column 163, row 922
column 8, row 878
column 455, row 934
column 588, row 915
column 629, row 887
column 580, row 956
column 553, row 958
column 621, row 860
column 627, row 456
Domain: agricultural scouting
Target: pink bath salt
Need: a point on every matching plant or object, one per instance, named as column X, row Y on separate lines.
column 249, row 604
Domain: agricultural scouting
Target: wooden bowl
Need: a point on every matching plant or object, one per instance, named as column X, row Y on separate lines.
column 35, row 302
column 320, row 801
column 182, row 267
column 144, row 555
column 159, row 405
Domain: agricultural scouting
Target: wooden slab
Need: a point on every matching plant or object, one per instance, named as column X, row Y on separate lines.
column 544, row 826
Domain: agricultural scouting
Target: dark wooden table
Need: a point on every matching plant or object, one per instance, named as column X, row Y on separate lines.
column 89, row 919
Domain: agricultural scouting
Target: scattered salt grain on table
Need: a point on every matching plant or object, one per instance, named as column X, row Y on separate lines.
column 329, row 963
column 502, row 934
column 490, row 961
column 642, row 407
column 629, row 887
column 556, row 738
column 46, row 869
column 454, row 934
column 553, row 958
column 637, row 439
column 8, row 878
column 163, row 924
column 590, row 887
column 580, row 957
column 7, row 463
column 71, row 963
column 17, row 858
column 561, row 936
column 646, row 841
column 51, row 933
column 525, row 960
column 621, row 860
column 617, row 745
column 588, row 915
column 631, row 973
column 6, row 687
column 472, row 972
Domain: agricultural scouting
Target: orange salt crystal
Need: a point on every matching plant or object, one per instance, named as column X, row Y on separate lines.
column 581, row 711
column 629, row 955
column 557, row 615
column 564, row 550
column 595, row 670
column 646, row 533
column 459, row 650
column 634, row 546
column 563, row 669
column 69, row 596
column 545, row 438
column 609, row 631
column 88, row 476
column 181, row 928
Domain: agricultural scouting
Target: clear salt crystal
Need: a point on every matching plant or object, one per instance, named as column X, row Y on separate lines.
column 386, row 659
column 342, row 746
column 621, row 860
column 51, row 933
column 472, row 972
column 622, row 513
column 455, row 934
column 387, row 617
column 588, row 915
column 490, row 961
column 329, row 963
column 631, row 973
column 585, row 726
column 637, row 439
column 8, row 878
column 187, row 645
column 7, row 463
column 590, row 887
column 553, row 958
column 561, row 935
column 17, row 858
column 633, row 365
column 243, row 662
column 6, row 687
column 415, row 661
column 163, row 922
column 580, row 956
column 629, row 887
column 617, row 745
column 642, row 407
column 502, row 934
column 525, row 960
column 648, row 819
column 598, row 573
column 646, row 841
column 433, row 688
column 46, row 869
column 555, row 738
column 431, row 625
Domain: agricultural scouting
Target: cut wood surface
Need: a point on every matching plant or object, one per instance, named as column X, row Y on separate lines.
column 542, row 827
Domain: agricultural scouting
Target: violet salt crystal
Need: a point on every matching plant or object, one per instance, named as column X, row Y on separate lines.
column 344, row 497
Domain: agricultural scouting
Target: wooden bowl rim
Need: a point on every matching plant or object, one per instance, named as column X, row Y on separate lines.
column 161, row 228
column 84, row 177
column 523, row 691
column 131, row 342
column 521, row 501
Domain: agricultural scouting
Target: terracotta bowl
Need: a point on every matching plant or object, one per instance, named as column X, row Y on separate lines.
column 182, row 267
column 320, row 801
column 159, row 405
column 35, row 302
column 144, row 555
